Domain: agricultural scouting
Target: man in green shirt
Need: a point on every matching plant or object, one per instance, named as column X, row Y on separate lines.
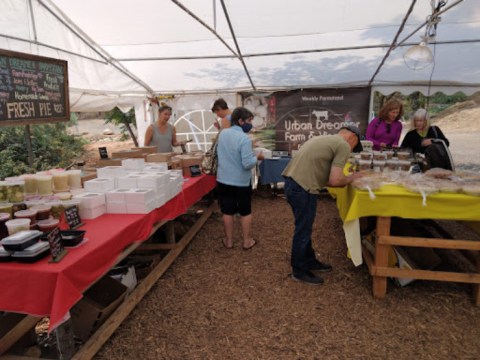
column 319, row 163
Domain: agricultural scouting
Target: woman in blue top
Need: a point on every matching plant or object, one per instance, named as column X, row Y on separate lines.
column 234, row 177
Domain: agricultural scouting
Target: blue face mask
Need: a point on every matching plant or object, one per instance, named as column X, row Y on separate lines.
column 246, row 127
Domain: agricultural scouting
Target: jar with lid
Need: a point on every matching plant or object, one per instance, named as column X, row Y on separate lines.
column 44, row 184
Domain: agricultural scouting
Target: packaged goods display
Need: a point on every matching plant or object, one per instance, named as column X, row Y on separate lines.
column 44, row 184
column 12, row 191
column 60, row 181
column 74, row 179
column 4, row 217
column 21, row 240
column 16, row 225
column 5, row 255
column 47, row 225
column 33, row 253
column 30, row 184
column 6, row 208
column 27, row 214
column 72, row 237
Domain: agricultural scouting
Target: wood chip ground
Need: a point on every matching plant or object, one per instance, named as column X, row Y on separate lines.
column 215, row 303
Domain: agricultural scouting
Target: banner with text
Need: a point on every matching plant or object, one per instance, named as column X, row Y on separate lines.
column 302, row 114
column 33, row 89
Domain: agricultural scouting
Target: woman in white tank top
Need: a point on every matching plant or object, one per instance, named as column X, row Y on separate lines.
column 162, row 134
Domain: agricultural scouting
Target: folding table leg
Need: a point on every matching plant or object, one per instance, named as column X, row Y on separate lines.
column 476, row 287
column 379, row 286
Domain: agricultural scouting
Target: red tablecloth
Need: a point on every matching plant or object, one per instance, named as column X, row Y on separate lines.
column 51, row 289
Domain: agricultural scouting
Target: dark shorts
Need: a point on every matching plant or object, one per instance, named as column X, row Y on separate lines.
column 234, row 199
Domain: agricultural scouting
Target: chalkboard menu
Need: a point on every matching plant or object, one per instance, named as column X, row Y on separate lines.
column 73, row 217
column 56, row 248
column 33, row 89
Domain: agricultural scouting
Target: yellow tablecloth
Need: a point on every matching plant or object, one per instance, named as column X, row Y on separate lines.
column 395, row 200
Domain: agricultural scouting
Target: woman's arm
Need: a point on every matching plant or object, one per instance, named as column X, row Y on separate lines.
column 249, row 160
column 398, row 133
column 148, row 135
column 174, row 137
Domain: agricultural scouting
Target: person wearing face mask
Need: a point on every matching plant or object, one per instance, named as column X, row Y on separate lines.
column 234, row 177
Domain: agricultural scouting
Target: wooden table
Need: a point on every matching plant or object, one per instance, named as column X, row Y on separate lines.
column 54, row 288
column 393, row 200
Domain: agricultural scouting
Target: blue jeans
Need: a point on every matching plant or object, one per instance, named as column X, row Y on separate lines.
column 304, row 207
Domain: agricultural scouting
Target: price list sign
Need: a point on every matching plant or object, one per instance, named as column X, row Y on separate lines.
column 73, row 217
column 33, row 89
column 56, row 247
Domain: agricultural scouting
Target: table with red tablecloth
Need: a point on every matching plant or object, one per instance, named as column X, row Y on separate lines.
column 51, row 289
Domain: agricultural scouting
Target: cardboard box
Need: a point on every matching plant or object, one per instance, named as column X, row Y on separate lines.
column 97, row 304
column 88, row 176
column 109, row 162
column 127, row 154
column 146, row 149
column 159, row 157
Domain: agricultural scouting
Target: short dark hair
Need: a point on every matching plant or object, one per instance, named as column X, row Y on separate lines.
column 240, row 113
column 219, row 104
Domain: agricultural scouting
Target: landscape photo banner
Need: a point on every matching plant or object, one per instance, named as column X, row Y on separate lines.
column 33, row 89
column 302, row 114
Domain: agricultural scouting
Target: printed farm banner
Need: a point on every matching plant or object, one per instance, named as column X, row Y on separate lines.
column 285, row 120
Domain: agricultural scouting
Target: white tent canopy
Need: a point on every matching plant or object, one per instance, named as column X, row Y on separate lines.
column 119, row 51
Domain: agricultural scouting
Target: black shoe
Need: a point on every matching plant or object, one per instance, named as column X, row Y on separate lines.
column 308, row 277
column 320, row 267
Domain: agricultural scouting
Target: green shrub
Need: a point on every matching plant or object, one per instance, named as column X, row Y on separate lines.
column 51, row 147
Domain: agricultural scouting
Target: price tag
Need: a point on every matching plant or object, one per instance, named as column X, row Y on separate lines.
column 73, row 217
column 56, row 247
column 103, row 152
column 195, row 170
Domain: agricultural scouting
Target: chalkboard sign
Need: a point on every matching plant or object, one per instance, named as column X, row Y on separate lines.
column 56, row 247
column 33, row 89
column 73, row 217
column 195, row 170
column 103, row 152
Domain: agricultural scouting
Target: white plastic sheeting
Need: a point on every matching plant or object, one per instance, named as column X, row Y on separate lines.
column 118, row 51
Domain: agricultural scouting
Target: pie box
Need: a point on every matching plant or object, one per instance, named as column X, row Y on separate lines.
column 72, row 237
column 21, row 240
column 4, row 255
column 32, row 253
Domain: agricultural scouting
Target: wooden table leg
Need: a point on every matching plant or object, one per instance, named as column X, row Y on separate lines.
column 379, row 286
column 170, row 232
column 476, row 287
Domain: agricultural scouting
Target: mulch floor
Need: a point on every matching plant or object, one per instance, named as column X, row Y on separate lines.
column 215, row 303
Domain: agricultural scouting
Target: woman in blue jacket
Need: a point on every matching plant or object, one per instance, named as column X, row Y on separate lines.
column 234, row 176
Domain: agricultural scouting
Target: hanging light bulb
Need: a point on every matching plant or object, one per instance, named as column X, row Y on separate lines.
column 419, row 57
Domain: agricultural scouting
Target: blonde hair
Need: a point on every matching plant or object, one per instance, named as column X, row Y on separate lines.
column 420, row 114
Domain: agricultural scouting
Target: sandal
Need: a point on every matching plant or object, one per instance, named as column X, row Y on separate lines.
column 251, row 246
column 225, row 244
